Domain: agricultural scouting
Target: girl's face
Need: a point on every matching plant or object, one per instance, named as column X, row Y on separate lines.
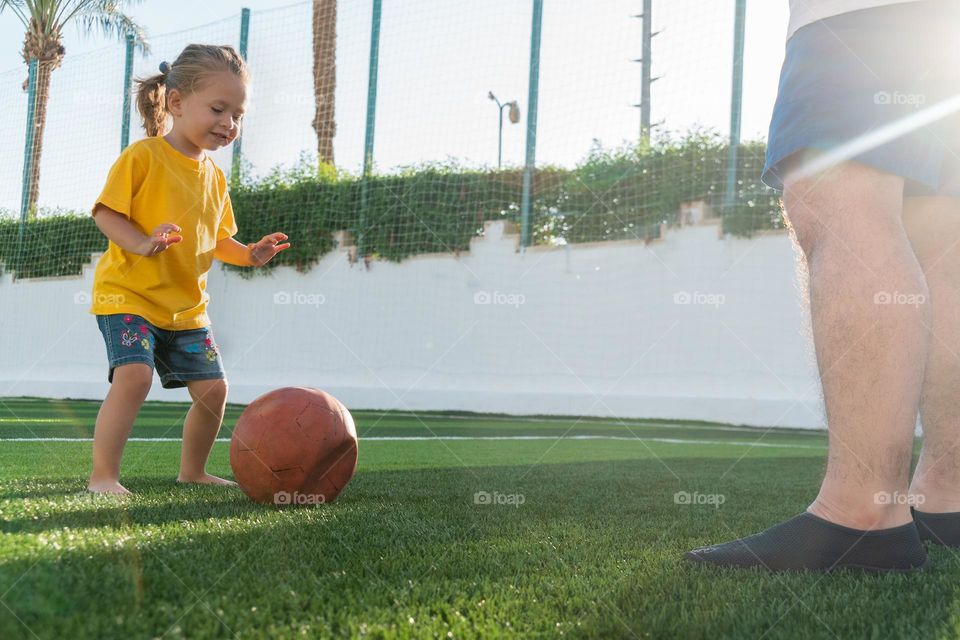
column 210, row 118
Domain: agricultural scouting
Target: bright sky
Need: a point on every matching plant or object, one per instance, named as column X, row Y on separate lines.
column 438, row 60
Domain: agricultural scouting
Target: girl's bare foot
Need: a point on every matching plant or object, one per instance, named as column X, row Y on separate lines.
column 206, row 478
column 107, row 486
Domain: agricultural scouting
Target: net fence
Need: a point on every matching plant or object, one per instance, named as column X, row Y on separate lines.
column 447, row 155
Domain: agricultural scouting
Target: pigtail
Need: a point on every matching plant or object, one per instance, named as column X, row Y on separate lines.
column 152, row 103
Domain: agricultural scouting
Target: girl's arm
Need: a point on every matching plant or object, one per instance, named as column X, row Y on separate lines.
column 232, row 252
column 122, row 233
column 255, row 254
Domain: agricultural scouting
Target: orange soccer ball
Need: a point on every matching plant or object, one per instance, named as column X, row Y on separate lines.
column 294, row 445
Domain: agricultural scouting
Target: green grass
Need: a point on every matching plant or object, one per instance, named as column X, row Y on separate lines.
column 594, row 550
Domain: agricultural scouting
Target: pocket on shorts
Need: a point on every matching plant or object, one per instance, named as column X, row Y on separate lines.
column 202, row 343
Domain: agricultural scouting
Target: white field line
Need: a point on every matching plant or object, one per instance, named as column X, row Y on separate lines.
column 423, row 438
column 426, row 418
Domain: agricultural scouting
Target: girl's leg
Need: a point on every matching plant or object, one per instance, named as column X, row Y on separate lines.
column 131, row 383
column 200, row 430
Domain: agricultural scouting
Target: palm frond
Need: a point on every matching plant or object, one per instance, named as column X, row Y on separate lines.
column 68, row 5
column 44, row 12
column 111, row 21
column 17, row 7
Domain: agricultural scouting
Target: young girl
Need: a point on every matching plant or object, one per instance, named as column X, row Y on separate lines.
column 167, row 214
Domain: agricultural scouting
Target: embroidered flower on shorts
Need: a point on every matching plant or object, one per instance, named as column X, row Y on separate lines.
column 129, row 338
column 211, row 348
column 127, row 319
column 143, row 329
column 145, row 344
column 207, row 347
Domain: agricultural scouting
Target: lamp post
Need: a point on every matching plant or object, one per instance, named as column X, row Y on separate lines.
column 514, row 118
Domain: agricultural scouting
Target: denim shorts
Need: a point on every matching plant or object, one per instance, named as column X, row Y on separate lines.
column 852, row 74
column 178, row 356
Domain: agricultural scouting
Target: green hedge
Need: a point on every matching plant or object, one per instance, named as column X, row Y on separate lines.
column 53, row 245
column 617, row 194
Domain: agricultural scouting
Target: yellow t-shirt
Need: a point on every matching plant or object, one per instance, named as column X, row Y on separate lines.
column 152, row 183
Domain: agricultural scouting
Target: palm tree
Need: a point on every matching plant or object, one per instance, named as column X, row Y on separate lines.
column 44, row 21
column 324, row 75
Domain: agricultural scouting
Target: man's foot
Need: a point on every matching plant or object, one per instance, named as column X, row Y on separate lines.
column 809, row 543
column 108, row 486
column 938, row 528
column 206, row 478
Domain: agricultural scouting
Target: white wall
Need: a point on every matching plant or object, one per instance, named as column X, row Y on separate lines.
column 587, row 329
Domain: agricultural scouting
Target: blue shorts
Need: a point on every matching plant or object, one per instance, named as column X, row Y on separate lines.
column 854, row 73
column 178, row 356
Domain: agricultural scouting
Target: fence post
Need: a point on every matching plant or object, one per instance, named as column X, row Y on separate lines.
column 736, row 105
column 127, row 81
column 645, row 71
column 533, row 92
column 31, row 130
column 27, row 159
column 237, row 144
column 371, row 121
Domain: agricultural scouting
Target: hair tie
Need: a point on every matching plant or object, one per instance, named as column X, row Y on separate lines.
column 165, row 67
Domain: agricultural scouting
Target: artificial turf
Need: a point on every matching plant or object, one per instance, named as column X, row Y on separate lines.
column 593, row 549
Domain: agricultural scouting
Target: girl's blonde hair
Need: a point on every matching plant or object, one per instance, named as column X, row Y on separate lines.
column 186, row 75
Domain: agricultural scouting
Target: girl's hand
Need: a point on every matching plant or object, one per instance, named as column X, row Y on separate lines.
column 160, row 239
column 263, row 252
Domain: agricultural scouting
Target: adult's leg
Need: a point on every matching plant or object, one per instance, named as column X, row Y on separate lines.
column 933, row 226
column 869, row 308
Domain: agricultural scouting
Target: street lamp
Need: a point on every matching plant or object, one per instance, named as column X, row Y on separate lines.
column 514, row 118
